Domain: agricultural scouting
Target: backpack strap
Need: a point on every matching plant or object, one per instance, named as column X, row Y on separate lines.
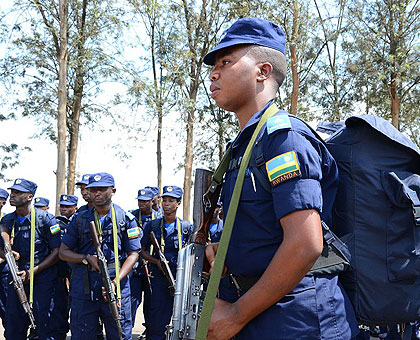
column 335, row 255
column 258, row 161
column 416, row 213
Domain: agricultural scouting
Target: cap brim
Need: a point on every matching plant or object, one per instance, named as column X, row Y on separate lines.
column 99, row 184
column 170, row 195
column 144, row 198
column 66, row 203
column 19, row 188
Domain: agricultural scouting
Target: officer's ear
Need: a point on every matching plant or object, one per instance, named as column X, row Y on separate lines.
column 29, row 197
column 114, row 190
column 265, row 70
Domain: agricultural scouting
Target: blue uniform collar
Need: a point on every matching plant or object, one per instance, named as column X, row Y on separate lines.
column 108, row 214
column 250, row 126
column 27, row 217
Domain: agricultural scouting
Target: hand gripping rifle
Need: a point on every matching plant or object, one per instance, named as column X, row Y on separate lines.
column 107, row 283
column 189, row 293
column 17, row 280
column 145, row 268
column 164, row 264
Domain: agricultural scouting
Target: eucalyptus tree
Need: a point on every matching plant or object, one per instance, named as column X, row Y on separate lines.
column 387, row 56
column 159, row 39
column 200, row 25
column 32, row 63
column 330, row 81
column 10, row 153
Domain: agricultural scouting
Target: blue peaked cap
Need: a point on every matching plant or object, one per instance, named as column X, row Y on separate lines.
column 101, row 179
column 4, row 194
column 154, row 189
column 145, row 194
column 24, row 185
column 253, row 31
column 41, row 202
column 68, row 200
column 84, row 180
column 172, row 191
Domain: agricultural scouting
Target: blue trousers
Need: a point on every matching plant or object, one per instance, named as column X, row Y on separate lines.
column 138, row 286
column 4, row 283
column 85, row 314
column 160, row 312
column 59, row 321
column 316, row 308
column 17, row 322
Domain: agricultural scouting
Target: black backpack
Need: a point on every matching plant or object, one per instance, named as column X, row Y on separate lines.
column 377, row 212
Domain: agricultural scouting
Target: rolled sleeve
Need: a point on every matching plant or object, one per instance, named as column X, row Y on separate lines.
column 303, row 191
column 297, row 195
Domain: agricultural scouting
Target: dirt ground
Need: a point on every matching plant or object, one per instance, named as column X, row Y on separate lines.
column 137, row 330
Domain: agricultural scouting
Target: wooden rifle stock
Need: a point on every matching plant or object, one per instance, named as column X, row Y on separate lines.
column 206, row 196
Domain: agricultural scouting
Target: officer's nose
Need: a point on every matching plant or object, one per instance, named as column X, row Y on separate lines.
column 214, row 75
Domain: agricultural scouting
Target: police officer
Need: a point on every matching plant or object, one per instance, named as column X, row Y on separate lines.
column 61, row 306
column 4, row 269
column 216, row 226
column 84, row 181
column 138, row 278
column 68, row 205
column 277, row 234
column 42, row 203
column 87, row 303
column 21, row 223
column 155, row 202
column 85, row 192
column 172, row 233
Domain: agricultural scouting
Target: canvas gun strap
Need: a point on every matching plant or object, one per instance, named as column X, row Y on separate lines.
column 211, row 293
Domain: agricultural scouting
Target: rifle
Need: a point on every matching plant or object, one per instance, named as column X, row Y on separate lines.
column 107, row 283
column 146, row 271
column 189, row 291
column 164, row 264
column 17, row 280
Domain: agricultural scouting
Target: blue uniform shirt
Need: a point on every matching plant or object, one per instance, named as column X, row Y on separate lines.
column 137, row 269
column 78, row 238
column 257, row 233
column 171, row 239
column 47, row 237
column 216, row 231
column 302, row 175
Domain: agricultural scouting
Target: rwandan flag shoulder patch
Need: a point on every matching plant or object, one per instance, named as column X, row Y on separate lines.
column 55, row 229
column 282, row 168
column 133, row 232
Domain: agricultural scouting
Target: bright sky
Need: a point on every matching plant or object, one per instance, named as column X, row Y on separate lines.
column 96, row 154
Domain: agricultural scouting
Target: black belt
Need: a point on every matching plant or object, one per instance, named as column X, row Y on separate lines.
column 243, row 283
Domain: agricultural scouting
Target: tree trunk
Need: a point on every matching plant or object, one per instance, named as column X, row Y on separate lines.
column 74, row 122
column 294, row 59
column 62, row 103
column 395, row 102
column 74, row 137
column 159, row 147
column 189, row 156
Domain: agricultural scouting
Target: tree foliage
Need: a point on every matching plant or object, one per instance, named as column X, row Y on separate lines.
column 385, row 60
column 30, row 69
